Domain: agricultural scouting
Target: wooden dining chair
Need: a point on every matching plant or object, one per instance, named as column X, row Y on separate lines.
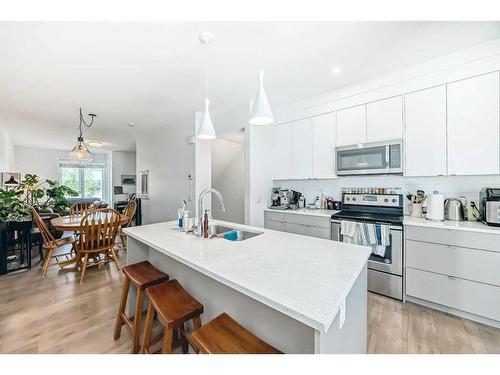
column 80, row 208
column 50, row 244
column 129, row 211
column 98, row 231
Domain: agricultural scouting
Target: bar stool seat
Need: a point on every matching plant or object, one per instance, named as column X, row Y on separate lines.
column 142, row 275
column 223, row 335
column 174, row 306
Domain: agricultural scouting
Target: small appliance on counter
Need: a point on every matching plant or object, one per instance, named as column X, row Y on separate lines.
column 435, row 206
column 489, row 206
column 453, row 209
column 283, row 199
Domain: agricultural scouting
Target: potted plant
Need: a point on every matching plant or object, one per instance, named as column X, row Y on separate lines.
column 12, row 209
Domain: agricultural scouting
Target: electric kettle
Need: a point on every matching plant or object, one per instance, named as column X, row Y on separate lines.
column 453, row 209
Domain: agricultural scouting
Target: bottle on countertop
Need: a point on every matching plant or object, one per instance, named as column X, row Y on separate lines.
column 317, row 202
column 205, row 225
column 302, row 201
column 465, row 207
column 186, row 221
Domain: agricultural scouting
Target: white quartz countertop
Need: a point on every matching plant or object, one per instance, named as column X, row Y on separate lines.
column 305, row 211
column 303, row 277
column 470, row 226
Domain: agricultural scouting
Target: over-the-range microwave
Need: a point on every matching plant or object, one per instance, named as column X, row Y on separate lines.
column 370, row 158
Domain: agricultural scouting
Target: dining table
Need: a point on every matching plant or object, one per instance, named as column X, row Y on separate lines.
column 72, row 224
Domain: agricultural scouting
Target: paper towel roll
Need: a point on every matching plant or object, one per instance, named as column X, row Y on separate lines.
column 435, row 206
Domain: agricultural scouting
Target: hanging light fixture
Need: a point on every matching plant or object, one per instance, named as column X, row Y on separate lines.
column 80, row 152
column 261, row 112
column 206, row 129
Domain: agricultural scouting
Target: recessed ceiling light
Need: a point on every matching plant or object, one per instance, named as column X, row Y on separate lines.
column 95, row 143
column 131, row 124
column 335, row 70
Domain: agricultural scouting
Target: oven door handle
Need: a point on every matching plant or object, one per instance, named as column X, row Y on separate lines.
column 391, row 227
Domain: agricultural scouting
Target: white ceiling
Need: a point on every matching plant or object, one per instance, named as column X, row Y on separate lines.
column 151, row 73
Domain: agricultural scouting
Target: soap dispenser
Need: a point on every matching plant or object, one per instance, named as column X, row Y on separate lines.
column 205, row 224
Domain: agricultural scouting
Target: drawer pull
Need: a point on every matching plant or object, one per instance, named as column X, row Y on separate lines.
column 451, row 246
column 451, row 277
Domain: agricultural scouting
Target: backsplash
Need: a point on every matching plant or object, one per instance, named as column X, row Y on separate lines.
column 451, row 186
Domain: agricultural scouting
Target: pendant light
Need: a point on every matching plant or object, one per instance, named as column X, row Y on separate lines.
column 261, row 112
column 80, row 152
column 206, row 129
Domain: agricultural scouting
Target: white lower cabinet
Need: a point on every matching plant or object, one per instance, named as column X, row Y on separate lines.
column 274, row 225
column 306, row 225
column 455, row 269
column 465, row 295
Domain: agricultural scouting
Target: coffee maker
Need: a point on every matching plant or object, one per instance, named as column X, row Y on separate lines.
column 282, row 199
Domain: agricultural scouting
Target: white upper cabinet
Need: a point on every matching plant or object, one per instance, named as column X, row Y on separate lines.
column 302, row 141
column 283, row 151
column 384, row 119
column 324, row 145
column 425, row 140
column 351, row 126
column 473, row 126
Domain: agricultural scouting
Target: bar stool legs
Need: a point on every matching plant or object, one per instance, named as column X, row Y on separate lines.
column 174, row 307
column 142, row 275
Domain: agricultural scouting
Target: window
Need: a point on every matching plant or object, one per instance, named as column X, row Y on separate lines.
column 88, row 180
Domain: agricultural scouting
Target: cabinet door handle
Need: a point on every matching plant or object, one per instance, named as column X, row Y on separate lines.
column 451, row 246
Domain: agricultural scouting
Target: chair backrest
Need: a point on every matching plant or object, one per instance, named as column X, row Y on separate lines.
column 44, row 231
column 80, row 208
column 129, row 211
column 98, row 230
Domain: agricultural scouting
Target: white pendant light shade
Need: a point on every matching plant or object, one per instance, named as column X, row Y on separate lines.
column 262, row 113
column 206, row 130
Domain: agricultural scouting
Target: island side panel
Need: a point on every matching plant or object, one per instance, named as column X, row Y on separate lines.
column 352, row 337
column 136, row 252
column 274, row 327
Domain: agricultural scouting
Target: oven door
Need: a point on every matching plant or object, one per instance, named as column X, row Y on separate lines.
column 392, row 262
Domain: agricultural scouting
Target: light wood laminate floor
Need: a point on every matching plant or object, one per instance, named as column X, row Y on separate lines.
column 59, row 315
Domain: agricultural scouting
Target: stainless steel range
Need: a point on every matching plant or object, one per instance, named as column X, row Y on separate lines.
column 385, row 273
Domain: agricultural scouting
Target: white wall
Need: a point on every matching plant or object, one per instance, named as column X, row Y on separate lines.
column 122, row 162
column 228, row 175
column 45, row 162
column 6, row 152
column 169, row 160
column 258, row 172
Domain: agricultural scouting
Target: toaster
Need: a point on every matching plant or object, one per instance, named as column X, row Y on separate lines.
column 489, row 206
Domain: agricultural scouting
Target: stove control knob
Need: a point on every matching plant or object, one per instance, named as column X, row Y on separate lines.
column 386, row 200
column 394, row 200
column 348, row 199
column 353, row 199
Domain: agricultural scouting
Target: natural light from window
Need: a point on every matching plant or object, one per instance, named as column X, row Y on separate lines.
column 87, row 180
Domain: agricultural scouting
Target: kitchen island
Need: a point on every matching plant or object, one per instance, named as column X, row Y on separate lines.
column 300, row 294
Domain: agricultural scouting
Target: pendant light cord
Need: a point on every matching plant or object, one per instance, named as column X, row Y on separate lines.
column 82, row 121
column 206, row 70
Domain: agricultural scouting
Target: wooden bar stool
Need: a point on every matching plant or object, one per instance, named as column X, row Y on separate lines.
column 174, row 307
column 223, row 335
column 142, row 275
